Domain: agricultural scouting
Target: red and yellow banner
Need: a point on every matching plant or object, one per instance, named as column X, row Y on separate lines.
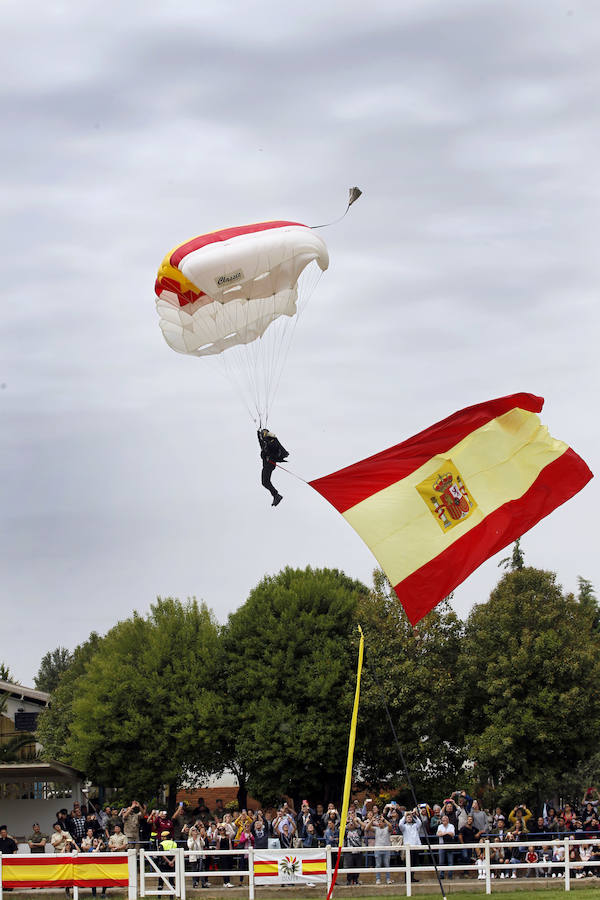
column 86, row 870
column 436, row 506
column 290, row 866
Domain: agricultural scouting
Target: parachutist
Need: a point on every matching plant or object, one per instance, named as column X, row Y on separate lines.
column 271, row 452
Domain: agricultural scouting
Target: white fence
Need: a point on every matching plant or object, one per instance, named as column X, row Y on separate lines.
column 174, row 872
column 407, row 865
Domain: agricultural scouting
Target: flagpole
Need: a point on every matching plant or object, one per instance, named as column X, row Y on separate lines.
column 348, row 779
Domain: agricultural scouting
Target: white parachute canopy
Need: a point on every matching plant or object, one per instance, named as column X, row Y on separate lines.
column 236, row 294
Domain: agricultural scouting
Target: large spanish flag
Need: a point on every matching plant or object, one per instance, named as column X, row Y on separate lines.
column 436, row 506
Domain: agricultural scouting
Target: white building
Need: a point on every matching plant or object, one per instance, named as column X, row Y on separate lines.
column 30, row 790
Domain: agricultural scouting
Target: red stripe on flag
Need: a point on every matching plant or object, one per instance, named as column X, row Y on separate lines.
column 557, row 482
column 98, row 859
column 349, row 486
column 224, row 235
column 38, row 860
column 66, row 882
column 99, row 882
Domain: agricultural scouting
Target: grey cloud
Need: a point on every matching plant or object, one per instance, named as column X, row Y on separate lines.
column 467, row 270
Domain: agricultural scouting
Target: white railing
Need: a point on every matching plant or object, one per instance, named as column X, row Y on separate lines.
column 488, row 867
column 407, row 864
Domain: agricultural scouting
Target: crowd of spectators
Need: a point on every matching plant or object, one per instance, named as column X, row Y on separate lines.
column 374, row 836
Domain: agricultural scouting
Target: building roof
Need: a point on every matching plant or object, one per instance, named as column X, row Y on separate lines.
column 19, row 692
column 50, row 770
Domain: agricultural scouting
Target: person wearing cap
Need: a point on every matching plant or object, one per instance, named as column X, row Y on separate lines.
column 37, row 840
column 117, row 842
column 166, row 863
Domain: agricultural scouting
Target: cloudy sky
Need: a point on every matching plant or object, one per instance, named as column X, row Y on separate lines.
column 468, row 270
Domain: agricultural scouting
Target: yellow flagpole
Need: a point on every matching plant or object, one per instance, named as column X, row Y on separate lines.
column 351, row 742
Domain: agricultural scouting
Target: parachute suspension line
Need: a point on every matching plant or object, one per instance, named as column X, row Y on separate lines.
column 309, row 281
column 233, row 382
column 235, row 366
column 354, row 194
column 275, row 339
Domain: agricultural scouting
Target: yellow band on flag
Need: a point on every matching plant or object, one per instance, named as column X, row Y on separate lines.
column 436, row 506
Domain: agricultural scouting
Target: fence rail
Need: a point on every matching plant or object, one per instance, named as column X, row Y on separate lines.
column 175, row 872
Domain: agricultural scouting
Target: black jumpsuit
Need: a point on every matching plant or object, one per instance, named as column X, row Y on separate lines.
column 271, row 452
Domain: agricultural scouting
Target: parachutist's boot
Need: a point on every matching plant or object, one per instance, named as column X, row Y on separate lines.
column 276, row 499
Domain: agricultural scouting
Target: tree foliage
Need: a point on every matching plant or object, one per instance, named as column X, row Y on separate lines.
column 52, row 666
column 505, row 699
column 6, row 674
column 528, row 660
column 290, row 661
column 412, row 671
column 516, row 560
column 586, row 596
column 142, row 708
column 54, row 723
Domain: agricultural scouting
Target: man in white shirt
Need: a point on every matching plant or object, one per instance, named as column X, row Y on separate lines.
column 410, row 826
column 446, row 835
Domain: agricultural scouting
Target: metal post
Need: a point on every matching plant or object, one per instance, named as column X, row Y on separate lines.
column 75, row 892
column 408, row 875
column 567, row 866
column 488, row 874
column 328, row 858
column 132, row 873
column 250, row 873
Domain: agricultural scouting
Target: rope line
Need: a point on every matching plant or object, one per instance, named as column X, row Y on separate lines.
column 407, row 773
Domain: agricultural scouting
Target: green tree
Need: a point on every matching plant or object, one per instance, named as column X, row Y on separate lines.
column 288, row 663
column 529, row 657
column 54, row 723
column 6, row 674
column 52, row 666
column 586, row 596
column 415, row 672
column 516, row 560
column 142, row 709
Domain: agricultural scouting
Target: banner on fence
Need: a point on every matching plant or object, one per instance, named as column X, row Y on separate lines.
column 87, row 870
column 292, row 867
